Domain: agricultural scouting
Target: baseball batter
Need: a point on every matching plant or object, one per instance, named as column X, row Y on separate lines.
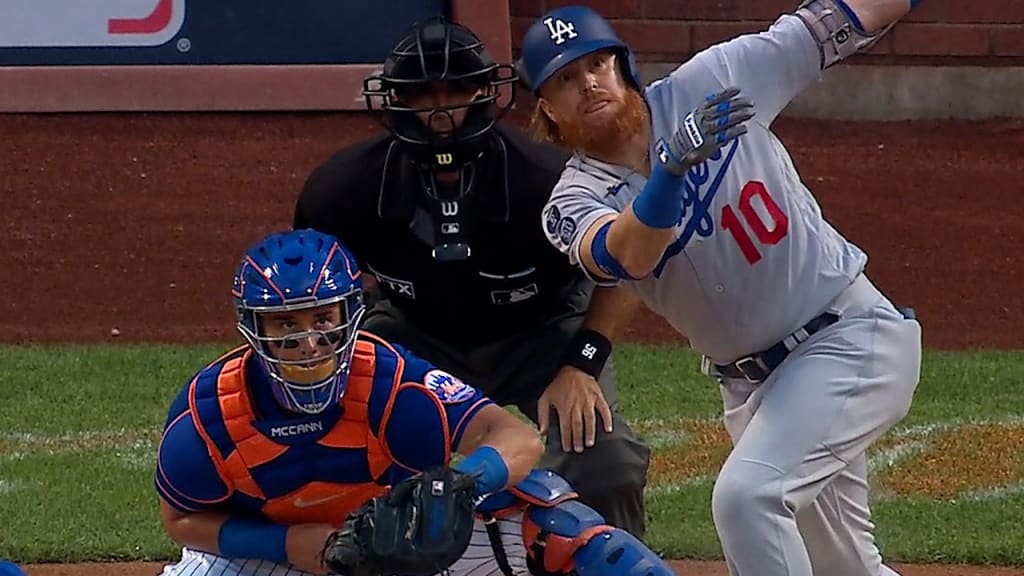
column 269, row 450
column 680, row 190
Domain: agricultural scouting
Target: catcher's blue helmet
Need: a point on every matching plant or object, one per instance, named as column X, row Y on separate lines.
column 299, row 270
column 565, row 34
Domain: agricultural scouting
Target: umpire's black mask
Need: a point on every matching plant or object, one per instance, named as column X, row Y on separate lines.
column 439, row 91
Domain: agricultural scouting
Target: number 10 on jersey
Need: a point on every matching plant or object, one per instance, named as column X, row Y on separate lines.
column 766, row 233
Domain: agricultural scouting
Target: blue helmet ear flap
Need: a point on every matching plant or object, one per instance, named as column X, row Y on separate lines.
column 630, row 69
column 524, row 79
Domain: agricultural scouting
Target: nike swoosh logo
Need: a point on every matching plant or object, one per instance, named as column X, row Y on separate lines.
column 300, row 503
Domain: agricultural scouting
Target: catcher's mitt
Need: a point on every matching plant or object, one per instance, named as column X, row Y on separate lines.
column 420, row 528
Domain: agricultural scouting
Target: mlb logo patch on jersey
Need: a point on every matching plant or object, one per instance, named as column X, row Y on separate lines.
column 448, row 388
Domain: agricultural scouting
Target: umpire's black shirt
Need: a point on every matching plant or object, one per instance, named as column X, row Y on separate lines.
column 369, row 196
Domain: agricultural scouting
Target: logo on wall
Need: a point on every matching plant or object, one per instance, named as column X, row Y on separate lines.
column 75, row 23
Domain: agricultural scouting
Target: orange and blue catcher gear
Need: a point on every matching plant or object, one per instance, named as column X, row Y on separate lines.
column 228, row 445
column 564, row 536
column 312, row 440
column 270, row 463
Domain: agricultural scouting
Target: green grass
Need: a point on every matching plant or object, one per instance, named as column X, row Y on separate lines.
column 79, row 426
column 78, row 431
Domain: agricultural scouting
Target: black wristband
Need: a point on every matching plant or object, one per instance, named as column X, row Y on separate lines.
column 588, row 351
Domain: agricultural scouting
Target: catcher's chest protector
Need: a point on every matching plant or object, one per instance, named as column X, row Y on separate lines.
column 338, row 447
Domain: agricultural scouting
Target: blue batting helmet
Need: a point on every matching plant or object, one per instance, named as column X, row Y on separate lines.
column 565, row 34
column 294, row 271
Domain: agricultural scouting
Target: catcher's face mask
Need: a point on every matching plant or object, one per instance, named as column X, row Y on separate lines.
column 299, row 302
column 307, row 353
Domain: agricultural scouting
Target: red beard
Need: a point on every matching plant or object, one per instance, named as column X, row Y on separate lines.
column 612, row 134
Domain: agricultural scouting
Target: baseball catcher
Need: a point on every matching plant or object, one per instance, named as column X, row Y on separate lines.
column 315, row 431
column 320, row 448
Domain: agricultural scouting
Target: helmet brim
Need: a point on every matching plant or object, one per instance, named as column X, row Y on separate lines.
column 568, row 57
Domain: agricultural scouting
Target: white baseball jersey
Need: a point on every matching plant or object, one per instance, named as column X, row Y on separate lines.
column 754, row 259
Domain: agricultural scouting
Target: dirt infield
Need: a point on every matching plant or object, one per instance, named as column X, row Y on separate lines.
column 127, row 228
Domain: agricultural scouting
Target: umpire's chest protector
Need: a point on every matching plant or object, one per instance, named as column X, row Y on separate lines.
column 298, row 470
column 513, row 279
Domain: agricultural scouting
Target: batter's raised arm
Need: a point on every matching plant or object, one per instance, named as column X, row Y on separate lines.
column 844, row 27
column 629, row 245
column 774, row 66
column 876, row 15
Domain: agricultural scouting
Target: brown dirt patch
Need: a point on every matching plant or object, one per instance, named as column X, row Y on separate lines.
column 941, row 464
column 701, row 451
column 968, row 459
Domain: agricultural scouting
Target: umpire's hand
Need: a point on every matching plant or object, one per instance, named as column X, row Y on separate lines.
column 578, row 399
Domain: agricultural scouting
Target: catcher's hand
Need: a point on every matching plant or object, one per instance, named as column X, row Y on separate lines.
column 712, row 125
column 420, row 528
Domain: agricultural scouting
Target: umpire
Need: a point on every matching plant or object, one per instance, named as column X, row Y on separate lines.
column 444, row 211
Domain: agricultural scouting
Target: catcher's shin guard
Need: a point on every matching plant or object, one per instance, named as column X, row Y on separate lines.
column 573, row 538
column 540, row 488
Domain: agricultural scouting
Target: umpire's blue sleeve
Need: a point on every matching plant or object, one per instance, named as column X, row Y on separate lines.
column 185, row 475
column 430, row 414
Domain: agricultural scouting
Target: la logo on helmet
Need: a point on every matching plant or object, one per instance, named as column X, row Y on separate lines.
column 560, row 29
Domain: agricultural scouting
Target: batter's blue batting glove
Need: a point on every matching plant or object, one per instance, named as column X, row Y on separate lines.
column 705, row 130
